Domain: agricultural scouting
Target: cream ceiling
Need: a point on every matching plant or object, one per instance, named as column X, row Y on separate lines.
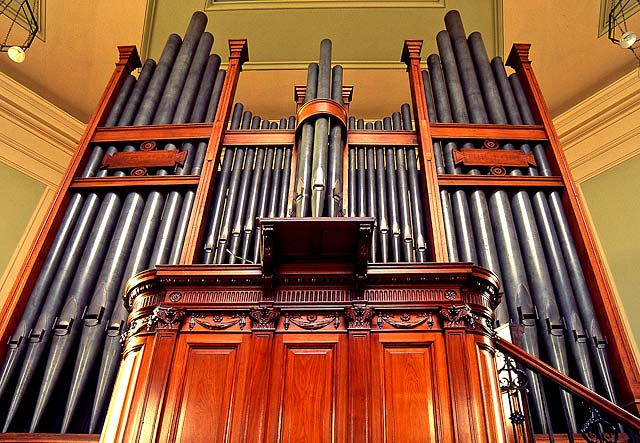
column 72, row 66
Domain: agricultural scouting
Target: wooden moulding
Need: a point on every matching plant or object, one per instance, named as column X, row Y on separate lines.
column 13, row 308
column 437, row 244
column 152, row 181
column 410, row 311
column 622, row 361
column 169, row 132
column 492, row 181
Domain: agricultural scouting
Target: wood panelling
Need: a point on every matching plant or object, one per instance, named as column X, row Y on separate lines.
column 203, row 386
column 307, row 401
column 409, row 389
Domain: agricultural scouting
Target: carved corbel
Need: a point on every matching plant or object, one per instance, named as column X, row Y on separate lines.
column 458, row 317
column 264, row 318
column 165, row 318
column 359, row 316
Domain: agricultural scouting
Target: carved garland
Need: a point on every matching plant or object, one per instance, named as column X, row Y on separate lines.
column 405, row 320
column 311, row 321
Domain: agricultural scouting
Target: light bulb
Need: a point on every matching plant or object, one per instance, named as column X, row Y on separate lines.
column 628, row 39
column 16, row 53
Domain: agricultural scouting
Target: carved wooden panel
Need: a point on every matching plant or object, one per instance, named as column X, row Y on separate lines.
column 409, row 388
column 206, row 380
column 307, row 400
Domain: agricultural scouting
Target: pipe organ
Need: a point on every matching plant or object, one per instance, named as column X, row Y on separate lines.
column 215, row 276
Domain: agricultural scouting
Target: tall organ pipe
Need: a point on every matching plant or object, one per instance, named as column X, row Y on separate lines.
column 417, row 212
column 361, row 186
column 334, row 206
column 381, row 185
column 222, row 184
column 542, row 290
column 302, row 185
column 564, row 296
column 433, row 63
column 266, row 191
column 321, row 134
column 286, row 174
column 18, row 341
column 255, row 191
column 514, row 278
column 392, row 196
column 105, row 294
column 58, row 271
column 403, row 192
column 68, row 328
column 446, row 106
column 232, row 195
column 233, row 243
column 569, row 253
column 351, row 172
column 372, row 198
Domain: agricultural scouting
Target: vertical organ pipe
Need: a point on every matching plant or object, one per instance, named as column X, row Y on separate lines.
column 302, row 185
column 321, row 134
column 570, row 254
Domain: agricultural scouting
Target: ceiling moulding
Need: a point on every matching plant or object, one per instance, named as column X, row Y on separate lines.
column 603, row 130
column 38, row 138
column 238, row 5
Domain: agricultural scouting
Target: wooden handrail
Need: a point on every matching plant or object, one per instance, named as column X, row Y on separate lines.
column 568, row 384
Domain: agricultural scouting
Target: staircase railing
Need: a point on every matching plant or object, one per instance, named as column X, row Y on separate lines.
column 602, row 421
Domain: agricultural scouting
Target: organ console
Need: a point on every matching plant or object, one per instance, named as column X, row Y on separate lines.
column 204, row 276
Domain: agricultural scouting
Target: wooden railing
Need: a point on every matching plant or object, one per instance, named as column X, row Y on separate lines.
column 605, row 417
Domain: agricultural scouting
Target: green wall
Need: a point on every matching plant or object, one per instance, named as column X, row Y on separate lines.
column 614, row 203
column 19, row 195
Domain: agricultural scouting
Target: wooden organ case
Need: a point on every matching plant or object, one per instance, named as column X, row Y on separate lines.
column 317, row 342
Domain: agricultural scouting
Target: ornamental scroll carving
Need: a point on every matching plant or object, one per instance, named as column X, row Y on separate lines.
column 264, row 318
column 311, row 321
column 458, row 316
column 405, row 320
column 359, row 317
column 218, row 322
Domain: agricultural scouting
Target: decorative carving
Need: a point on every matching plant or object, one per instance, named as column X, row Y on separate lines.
column 219, row 321
column 457, row 316
column 175, row 296
column 450, row 294
column 166, row 318
column 405, row 320
column 598, row 430
column 311, row 321
column 359, row 316
column 264, row 317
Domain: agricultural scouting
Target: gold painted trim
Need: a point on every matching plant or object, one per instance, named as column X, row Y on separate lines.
column 603, row 130
column 214, row 6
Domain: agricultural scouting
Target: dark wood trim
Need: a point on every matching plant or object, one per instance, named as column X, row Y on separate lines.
column 483, row 132
column 136, row 182
column 119, row 134
column 506, row 181
column 431, row 192
column 567, row 383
